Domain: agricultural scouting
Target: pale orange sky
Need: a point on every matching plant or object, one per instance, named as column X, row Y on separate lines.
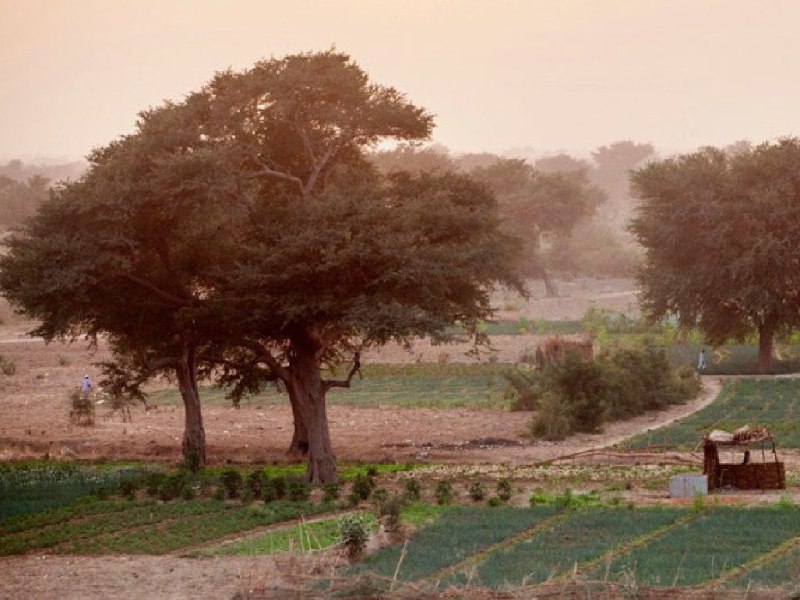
column 551, row 74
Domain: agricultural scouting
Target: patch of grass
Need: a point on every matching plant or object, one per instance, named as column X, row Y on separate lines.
column 408, row 385
column 771, row 402
column 302, row 537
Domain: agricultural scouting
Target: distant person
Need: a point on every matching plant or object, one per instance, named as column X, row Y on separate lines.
column 701, row 361
column 746, row 458
column 86, row 386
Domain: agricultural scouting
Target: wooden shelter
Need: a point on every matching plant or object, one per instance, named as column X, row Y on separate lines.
column 554, row 350
column 754, row 472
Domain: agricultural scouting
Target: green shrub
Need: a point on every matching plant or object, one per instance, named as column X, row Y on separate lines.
column 412, row 489
column 444, row 492
column 579, row 395
column 297, row 490
column 380, row 496
column 353, row 534
column 494, row 502
column 476, row 491
column 552, row 422
column 389, row 511
column 128, row 488
column 172, row 486
column 504, row 489
column 231, row 481
column 331, row 492
column 255, row 483
column 152, row 483
column 362, row 487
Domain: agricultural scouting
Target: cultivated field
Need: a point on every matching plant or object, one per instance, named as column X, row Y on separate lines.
column 600, row 521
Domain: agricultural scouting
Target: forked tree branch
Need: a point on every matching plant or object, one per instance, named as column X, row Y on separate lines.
column 165, row 296
column 335, row 383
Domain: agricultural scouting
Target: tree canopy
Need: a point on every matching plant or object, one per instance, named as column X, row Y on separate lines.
column 721, row 232
column 242, row 234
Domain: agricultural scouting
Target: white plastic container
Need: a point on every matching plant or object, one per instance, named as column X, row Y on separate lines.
column 688, row 486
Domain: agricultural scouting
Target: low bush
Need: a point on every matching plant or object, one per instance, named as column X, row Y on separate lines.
column 330, row 492
column 297, row 490
column 476, row 491
column 362, row 487
column 444, row 492
column 353, row 533
column 504, row 489
column 578, row 395
column 412, row 490
column 231, row 481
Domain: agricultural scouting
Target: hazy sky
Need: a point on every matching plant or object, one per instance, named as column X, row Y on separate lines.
column 551, row 74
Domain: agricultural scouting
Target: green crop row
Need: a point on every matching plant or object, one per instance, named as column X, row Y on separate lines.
column 771, row 402
column 76, row 530
column 33, row 488
column 186, row 531
column 459, row 533
column 715, row 542
column 782, row 570
column 86, row 506
column 586, row 536
column 318, row 534
column 642, row 546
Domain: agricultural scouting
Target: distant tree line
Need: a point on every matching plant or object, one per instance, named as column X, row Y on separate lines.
column 571, row 213
column 23, row 187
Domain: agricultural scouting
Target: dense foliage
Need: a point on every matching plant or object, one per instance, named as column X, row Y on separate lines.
column 721, row 233
column 578, row 395
column 241, row 234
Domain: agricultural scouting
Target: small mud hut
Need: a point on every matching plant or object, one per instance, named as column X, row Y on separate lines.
column 758, row 467
column 554, row 350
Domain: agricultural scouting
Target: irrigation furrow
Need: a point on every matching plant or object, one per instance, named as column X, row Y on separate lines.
column 627, row 547
column 758, row 561
column 474, row 559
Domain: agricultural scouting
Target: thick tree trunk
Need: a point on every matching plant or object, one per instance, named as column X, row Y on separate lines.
column 550, row 289
column 299, row 445
column 765, row 335
column 309, row 392
column 194, row 435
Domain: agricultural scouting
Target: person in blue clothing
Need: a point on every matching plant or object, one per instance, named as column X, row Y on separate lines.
column 86, row 386
column 701, row 361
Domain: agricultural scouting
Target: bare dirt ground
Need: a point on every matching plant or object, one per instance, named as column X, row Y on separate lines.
column 34, row 423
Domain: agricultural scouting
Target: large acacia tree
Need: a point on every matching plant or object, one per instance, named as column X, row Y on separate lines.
column 334, row 256
column 242, row 234
column 721, row 233
column 125, row 253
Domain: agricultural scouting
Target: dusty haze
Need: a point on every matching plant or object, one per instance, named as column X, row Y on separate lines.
column 549, row 74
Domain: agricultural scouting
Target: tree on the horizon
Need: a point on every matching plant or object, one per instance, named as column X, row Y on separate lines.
column 721, row 233
column 539, row 206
